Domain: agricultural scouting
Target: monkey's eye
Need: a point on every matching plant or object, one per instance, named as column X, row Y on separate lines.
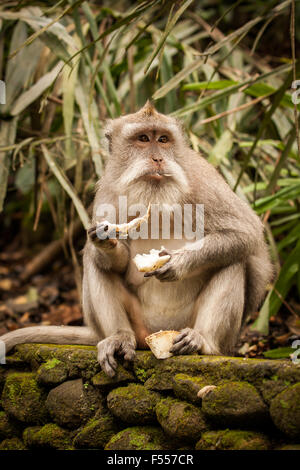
column 143, row 138
column 163, row 139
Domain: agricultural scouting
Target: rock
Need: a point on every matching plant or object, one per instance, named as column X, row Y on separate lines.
column 81, row 361
column 133, row 404
column 285, row 411
column 270, row 388
column 53, row 372
column 8, row 428
column 236, row 404
column 49, row 436
column 12, row 444
column 72, row 403
column 139, row 438
column 180, row 419
column 186, row 387
column 24, row 399
column 159, row 381
column 216, row 369
column 106, row 383
column 232, row 440
column 97, row 432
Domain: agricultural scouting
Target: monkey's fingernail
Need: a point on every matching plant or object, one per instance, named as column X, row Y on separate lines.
column 163, row 253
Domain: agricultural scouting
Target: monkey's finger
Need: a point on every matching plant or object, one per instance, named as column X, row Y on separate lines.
column 107, row 360
column 105, row 365
column 187, row 349
column 178, row 346
column 110, row 371
column 164, row 253
column 126, row 351
column 150, row 273
column 179, row 337
column 129, row 355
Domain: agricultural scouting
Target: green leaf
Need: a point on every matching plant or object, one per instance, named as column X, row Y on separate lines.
column 261, row 324
column 217, row 85
column 279, row 353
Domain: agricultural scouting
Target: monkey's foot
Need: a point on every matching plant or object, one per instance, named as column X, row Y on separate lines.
column 188, row 341
column 122, row 343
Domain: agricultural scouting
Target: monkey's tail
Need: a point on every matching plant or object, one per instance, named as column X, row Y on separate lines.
column 50, row 334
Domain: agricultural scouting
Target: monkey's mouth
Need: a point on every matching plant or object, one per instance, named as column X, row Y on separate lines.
column 155, row 176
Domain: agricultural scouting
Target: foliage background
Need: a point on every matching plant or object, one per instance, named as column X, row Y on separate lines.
column 225, row 68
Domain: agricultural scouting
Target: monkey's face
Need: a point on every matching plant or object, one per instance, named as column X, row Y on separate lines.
column 146, row 156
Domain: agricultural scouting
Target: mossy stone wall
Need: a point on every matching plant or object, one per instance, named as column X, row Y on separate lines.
column 57, row 397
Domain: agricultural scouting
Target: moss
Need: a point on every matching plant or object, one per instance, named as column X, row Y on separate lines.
column 270, row 388
column 80, row 360
column 141, row 374
column 53, row 372
column 180, row 419
column 12, row 444
column 97, row 432
column 24, row 399
column 232, row 440
column 159, row 381
column 105, row 383
column 139, row 438
column 133, row 404
column 235, row 404
column 49, row 436
column 52, row 363
column 285, row 411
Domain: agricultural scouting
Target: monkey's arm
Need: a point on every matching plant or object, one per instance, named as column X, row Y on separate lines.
column 214, row 250
column 109, row 254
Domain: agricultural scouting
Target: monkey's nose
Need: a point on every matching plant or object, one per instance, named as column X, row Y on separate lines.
column 157, row 159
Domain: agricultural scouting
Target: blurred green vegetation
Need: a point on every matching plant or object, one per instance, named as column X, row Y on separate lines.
column 225, row 68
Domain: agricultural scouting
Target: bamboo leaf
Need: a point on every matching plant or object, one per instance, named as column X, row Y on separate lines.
column 68, row 187
column 36, row 90
column 169, row 28
column 7, row 137
column 81, row 95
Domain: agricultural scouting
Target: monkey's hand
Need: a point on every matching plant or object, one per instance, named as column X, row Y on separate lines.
column 187, row 342
column 101, row 238
column 175, row 269
column 122, row 343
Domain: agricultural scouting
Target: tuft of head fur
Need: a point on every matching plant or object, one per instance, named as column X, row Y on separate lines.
column 147, row 110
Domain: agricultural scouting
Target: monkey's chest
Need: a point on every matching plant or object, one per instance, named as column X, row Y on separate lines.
column 167, row 305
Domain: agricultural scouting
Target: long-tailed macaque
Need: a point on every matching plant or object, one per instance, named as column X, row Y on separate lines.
column 206, row 288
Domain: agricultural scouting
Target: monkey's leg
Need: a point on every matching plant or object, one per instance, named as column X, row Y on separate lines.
column 218, row 314
column 105, row 312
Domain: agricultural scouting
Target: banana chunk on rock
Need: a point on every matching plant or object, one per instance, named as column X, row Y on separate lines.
column 161, row 342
